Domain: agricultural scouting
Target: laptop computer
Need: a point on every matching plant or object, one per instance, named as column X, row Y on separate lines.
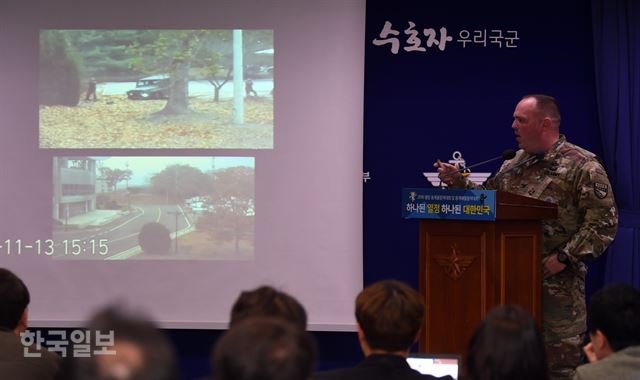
column 435, row 364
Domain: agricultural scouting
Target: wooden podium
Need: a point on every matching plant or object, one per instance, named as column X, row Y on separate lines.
column 468, row 267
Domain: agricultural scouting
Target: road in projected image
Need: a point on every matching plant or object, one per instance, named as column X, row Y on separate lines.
column 158, row 208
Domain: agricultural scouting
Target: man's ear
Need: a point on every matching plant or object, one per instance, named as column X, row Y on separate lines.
column 599, row 340
column 23, row 322
column 366, row 350
column 361, row 337
column 601, row 345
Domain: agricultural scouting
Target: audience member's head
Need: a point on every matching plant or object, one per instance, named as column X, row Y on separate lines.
column 389, row 315
column 155, row 238
column 14, row 299
column 264, row 348
column 142, row 352
column 613, row 318
column 507, row 345
column 268, row 302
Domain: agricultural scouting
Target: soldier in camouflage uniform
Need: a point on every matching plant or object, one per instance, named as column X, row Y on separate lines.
column 549, row 168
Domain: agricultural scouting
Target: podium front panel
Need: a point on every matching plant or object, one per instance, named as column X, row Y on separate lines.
column 468, row 267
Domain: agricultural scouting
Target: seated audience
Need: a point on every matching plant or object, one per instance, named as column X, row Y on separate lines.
column 267, row 301
column 264, row 348
column 507, row 346
column 17, row 360
column 613, row 318
column 139, row 351
column 389, row 315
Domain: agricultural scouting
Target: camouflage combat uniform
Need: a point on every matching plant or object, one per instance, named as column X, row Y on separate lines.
column 574, row 179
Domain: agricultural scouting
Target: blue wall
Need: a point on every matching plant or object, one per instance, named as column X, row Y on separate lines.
column 423, row 106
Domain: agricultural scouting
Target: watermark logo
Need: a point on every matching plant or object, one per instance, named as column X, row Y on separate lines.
column 77, row 343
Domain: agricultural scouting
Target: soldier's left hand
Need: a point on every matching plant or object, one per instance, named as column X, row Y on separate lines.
column 552, row 266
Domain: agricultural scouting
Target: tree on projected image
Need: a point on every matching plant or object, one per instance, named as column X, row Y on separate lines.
column 221, row 202
column 172, row 52
column 114, row 176
column 232, row 214
column 59, row 71
column 179, row 182
column 215, row 60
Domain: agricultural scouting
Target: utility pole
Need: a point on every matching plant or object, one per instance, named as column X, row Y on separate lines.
column 126, row 165
column 176, row 213
column 238, row 78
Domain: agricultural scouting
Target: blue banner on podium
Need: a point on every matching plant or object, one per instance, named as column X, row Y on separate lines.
column 454, row 204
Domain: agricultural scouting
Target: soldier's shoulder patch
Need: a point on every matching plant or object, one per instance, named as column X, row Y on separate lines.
column 600, row 189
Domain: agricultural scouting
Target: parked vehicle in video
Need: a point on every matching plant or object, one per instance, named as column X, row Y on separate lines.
column 153, row 87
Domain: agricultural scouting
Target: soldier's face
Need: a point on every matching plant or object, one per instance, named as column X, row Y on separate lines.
column 527, row 126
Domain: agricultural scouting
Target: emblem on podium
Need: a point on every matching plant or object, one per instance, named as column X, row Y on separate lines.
column 454, row 264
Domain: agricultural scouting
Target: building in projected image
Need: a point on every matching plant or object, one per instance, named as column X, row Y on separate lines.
column 74, row 187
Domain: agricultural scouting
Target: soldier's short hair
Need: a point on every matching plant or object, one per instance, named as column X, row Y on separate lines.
column 615, row 311
column 390, row 314
column 507, row 345
column 269, row 302
column 547, row 105
column 264, row 348
column 14, row 299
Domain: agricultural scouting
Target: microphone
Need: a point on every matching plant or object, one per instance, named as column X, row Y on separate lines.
column 506, row 155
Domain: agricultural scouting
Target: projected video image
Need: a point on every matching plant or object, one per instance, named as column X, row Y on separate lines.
column 157, row 208
column 156, row 89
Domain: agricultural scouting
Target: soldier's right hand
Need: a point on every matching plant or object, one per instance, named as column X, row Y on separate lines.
column 446, row 172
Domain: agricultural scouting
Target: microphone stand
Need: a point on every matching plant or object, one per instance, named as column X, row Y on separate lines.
column 529, row 160
column 461, row 170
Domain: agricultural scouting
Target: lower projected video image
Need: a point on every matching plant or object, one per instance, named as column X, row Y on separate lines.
column 153, row 208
